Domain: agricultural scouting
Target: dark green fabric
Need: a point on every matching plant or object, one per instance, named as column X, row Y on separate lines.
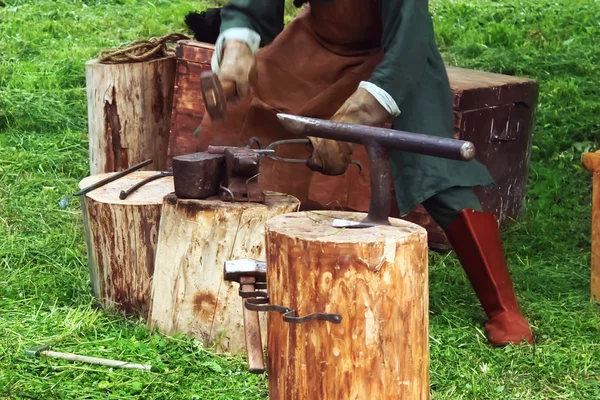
column 427, row 109
column 263, row 16
column 445, row 206
column 407, row 37
column 413, row 73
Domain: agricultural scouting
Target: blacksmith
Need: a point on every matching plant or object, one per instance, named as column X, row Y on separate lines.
column 362, row 62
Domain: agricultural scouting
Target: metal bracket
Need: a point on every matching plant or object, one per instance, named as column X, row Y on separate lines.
column 289, row 315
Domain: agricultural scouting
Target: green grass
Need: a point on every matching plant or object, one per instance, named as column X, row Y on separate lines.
column 44, row 281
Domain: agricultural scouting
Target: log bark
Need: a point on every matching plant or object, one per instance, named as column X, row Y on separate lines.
column 377, row 280
column 129, row 113
column 196, row 237
column 591, row 162
column 121, row 237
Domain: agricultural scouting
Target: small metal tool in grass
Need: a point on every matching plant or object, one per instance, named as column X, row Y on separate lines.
column 43, row 351
column 64, row 202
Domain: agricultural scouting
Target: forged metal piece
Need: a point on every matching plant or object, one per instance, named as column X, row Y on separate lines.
column 378, row 141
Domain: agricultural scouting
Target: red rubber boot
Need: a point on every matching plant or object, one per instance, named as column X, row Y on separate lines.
column 476, row 241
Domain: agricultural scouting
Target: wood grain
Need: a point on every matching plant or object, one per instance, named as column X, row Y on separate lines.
column 196, row 237
column 129, row 113
column 595, row 274
column 377, row 279
column 121, row 237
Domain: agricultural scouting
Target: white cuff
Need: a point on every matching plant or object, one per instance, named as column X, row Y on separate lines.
column 248, row 36
column 382, row 97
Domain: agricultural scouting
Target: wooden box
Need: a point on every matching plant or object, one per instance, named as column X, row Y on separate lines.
column 495, row 112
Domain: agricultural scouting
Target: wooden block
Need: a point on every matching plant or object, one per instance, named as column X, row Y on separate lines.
column 595, row 277
column 591, row 162
column 121, row 237
column 377, row 280
column 129, row 113
column 196, row 237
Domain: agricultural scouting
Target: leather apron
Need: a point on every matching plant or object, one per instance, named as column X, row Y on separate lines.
column 310, row 69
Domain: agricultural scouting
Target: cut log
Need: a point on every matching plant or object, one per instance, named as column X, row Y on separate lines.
column 121, row 238
column 190, row 295
column 376, row 279
column 591, row 162
column 129, row 113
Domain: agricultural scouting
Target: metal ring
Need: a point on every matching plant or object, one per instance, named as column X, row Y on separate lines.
column 228, row 192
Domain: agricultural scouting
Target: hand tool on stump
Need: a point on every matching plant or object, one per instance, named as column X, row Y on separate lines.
column 64, row 202
column 125, row 193
column 216, row 94
column 242, row 166
column 250, row 274
column 43, row 351
column 378, row 141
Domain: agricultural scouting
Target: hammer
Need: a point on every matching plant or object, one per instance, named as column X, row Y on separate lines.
column 248, row 273
column 216, row 94
column 42, row 351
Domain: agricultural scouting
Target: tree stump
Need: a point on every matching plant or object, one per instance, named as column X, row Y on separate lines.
column 591, row 162
column 196, row 237
column 121, row 237
column 129, row 113
column 376, row 279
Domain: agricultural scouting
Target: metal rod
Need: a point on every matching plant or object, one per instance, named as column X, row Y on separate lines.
column 379, row 207
column 387, row 138
column 125, row 193
column 65, row 200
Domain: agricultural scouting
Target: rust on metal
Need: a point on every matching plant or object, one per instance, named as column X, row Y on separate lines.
column 197, row 175
column 241, row 176
column 377, row 142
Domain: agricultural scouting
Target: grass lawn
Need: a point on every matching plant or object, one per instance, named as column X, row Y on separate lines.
column 44, row 282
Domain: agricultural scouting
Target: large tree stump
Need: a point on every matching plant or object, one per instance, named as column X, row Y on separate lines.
column 377, row 280
column 129, row 113
column 121, row 238
column 196, row 237
column 591, row 162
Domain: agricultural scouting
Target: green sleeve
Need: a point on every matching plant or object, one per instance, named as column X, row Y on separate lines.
column 407, row 31
column 265, row 17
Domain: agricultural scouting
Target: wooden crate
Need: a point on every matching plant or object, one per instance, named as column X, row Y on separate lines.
column 496, row 112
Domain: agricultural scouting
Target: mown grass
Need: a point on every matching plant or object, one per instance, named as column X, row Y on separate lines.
column 44, row 282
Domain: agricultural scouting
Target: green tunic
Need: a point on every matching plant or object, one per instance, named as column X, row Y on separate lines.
column 412, row 72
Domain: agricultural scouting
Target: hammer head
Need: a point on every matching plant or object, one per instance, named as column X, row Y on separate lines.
column 246, row 267
column 214, row 96
column 34, row 352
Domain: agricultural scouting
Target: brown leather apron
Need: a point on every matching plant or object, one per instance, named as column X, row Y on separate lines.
column 310, row 69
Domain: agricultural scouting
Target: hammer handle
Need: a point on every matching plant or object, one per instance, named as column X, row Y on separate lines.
column 256, row 363
column 94, row 360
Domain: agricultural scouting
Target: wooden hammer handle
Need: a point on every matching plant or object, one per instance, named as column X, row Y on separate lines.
column 256, row 363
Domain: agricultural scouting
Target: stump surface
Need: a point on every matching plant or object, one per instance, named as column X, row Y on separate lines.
column 196, row 237
column 121, row 238
column 377, row 280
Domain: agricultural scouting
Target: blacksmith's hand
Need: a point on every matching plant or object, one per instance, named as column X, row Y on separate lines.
column 236, row 65
column 331, row 157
